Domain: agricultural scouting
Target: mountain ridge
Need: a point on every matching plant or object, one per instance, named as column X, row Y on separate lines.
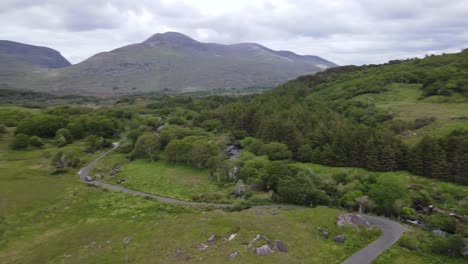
column 172, row 61
column 43, row 57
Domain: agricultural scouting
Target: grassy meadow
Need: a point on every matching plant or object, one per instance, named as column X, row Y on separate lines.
column 54, row 218
column 404, row 101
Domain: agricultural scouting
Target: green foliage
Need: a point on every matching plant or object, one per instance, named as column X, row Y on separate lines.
column 443, row 158
column 409, row 242
column 2, row 129
column 63, row 160
column 192, row 150
column 451, row 245
column 93, row 143
column 41, row 125
column 386, row 193
column 20, row 141
column 146, row 146
column 36, row 141
column 169, row 133
column 276, row 151
column 63, row 137
column 441, row 221
column 300, row 189
column 12, row 117
column 126, row 146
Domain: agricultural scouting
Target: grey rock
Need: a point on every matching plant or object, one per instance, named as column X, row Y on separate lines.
column 263, row 250
column 352, row 219
column 279, row 246
column 234, row 255
column 439, row 232
column 325, row 234
column 202, row 246
column 339, row 238
column 211, row 240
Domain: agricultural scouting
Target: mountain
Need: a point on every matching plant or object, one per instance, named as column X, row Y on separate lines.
column 22, row 64
column 34, row 55
column 174, row 62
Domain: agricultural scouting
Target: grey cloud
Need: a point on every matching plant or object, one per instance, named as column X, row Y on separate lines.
column 344, row 31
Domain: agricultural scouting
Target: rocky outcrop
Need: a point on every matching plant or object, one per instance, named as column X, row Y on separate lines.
column 352, row 219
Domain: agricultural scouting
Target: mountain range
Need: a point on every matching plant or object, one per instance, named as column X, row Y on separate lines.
column 165, row 62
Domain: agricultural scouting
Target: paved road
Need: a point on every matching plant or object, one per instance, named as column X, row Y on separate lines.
column 391, row 231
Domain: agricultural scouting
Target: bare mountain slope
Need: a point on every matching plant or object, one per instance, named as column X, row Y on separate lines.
column 175, row 62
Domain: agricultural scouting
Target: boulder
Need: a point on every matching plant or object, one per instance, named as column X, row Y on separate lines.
column 211, row 240
column 231, row 237
column 439, row 232
column 352, row 219
column 325, row 234
column 279, row 246
column 202, row 246
column 234, row 255
column 263, row 250
column 339, row 238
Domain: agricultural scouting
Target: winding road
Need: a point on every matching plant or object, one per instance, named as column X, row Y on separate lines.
column 391, row 231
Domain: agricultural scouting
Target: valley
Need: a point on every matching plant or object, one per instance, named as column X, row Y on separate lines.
column 143, row 176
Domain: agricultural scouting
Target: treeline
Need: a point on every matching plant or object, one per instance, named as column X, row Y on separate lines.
column 324, row 136
column 437, row 75
column 444, row 158
column 65, row 124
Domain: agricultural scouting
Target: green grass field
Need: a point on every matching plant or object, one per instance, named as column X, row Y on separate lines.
column 404, row 101
column 161, row 178
column 398, row 254
column 54, row 218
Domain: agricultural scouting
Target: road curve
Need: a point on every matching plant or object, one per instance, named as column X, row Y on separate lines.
column 391, row 231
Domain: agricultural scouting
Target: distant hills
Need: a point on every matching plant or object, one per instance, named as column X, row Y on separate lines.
column 165, row 62
column 21, row 64
column 34, row 55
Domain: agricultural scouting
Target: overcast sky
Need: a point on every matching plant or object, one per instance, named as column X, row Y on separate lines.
column 343, row 31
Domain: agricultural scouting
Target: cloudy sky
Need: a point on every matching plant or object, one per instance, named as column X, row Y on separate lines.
column 343, row 31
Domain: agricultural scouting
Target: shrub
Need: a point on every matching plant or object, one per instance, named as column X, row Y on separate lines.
column 409, row 242
column 441, row 221
column 36, row 141
column 2, row 129
column 240, row 205
column 451, row 245
column 276, row 151
column 63, row 137
column 20, row 141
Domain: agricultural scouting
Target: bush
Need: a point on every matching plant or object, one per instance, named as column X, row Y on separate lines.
column 441, row 221
column 126, row 147
column 61, row 161
column 20, row 141
column 36, row 141
column 93, row 143
column 63, row 137
column 451, row 245
column 276, row 151
column 409, row 242
column 239, row 205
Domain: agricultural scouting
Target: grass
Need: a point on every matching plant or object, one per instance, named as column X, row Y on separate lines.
column 404, row 101
column 57, row 219
column 422, row 241
column 176, row 181
column 399, row 255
